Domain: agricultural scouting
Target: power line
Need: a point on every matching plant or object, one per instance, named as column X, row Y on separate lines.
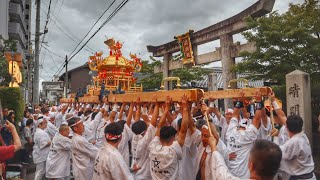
column 91, row 51
column 53, row 52
column 92, row 27
column 103, row 24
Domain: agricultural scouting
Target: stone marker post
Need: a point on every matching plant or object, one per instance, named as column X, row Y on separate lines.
column 298, row 94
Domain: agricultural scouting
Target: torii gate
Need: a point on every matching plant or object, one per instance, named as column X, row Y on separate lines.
column 228, row 51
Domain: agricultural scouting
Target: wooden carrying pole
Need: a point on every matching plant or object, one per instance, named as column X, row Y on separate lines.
column 231, row 93
column 192, row 94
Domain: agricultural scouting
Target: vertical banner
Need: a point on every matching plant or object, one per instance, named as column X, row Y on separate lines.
column 186, row 48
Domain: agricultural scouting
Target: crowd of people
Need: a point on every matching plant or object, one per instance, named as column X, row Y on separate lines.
column 162, row 140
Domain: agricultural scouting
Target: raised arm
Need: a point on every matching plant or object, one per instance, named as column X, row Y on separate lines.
column 138, row 111
column 264, row 117
column 257, row 116
column 282, row 116
column 129, row 117
column 113, row 112
column 185, row 120
column 155, row 114
column 121, row 111
column 16, row 139
column 144, row 114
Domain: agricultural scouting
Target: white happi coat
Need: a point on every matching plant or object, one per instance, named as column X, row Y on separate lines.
column 283, row 135
column 189, row 154
column 297, row 156
column 164, row 160
column 51, row 130
column 58, row 161
column 264, row 131
column 240, row 142
column 100, row 137
column 221, row 170
column 40, row 148
column 209, row 171
column 123, row 145
column 140, row 153
column 58, row 120
column 83, row 156
column 109, row 165
column 222, row 122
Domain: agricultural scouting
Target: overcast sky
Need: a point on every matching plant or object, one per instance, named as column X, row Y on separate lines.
column 138, row 24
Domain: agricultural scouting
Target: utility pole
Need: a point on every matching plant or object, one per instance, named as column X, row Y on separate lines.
column 66, row 81
column 36, row 62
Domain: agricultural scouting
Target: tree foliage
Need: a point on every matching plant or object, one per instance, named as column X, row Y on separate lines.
column 284, row 43
column 5, row 45
column 152, row 80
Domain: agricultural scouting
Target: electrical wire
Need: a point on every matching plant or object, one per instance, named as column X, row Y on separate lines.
column 92, row 27
column 103, row 24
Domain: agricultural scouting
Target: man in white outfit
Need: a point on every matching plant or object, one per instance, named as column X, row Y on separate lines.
column 264, row 161
column 144, row 132
column 240, row 140
column 51, row 129
column 83, row 152
column 165, row 151
column 41, row 148
column 58, row 161
column 297, row 161
column 109, row 163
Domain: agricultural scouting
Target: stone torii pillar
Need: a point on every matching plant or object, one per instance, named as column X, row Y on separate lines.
column 166, row 58
column 226, row 42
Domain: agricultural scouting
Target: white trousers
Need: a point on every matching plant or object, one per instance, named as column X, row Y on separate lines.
column 40, row 170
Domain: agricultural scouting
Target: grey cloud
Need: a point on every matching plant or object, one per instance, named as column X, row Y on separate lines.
column 139, row 23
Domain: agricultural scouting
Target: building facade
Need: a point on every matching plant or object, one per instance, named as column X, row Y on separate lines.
column 79, row 78
column 15, row 24
column 51, row 92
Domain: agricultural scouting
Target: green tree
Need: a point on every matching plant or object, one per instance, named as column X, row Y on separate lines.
column 5, row 45
column 284, row 43
column 152, row 80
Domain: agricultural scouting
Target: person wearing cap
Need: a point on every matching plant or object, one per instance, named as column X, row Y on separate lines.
column 51, row 129
column 109, row 163
column 165, row 148
column 144, row 132
column 220, row 120
column 58, row 161
column 83, row 152
column 240, row 137
column 41, row 148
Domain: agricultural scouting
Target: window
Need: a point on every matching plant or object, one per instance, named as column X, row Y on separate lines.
column 26, row 16
column 27, row 6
